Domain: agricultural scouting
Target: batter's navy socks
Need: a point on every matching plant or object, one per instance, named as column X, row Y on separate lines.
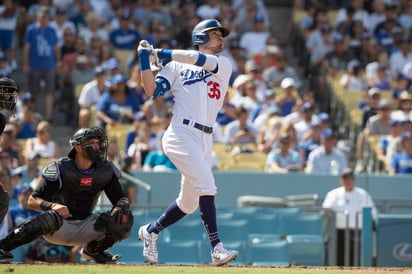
column 171, row 215
column 100, row 257
column 221, row 255
column 5, row 256
column 208, row 214
column 150, row 253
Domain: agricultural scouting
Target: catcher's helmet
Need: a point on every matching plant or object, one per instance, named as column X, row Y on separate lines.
column 8, row 94
column 199, row 33
column 84, row 134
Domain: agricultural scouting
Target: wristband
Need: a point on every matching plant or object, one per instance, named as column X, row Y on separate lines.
column 45, row 205
column 165, row 54
column 144, row 62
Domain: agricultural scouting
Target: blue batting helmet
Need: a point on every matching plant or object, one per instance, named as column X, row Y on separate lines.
column 199, row 33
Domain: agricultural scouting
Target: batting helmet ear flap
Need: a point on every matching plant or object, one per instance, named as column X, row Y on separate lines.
column 2, row 122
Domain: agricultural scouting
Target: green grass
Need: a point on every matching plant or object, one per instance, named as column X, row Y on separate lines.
column 198, row 269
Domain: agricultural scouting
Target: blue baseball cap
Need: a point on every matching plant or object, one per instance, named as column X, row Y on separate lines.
column 405, row 135
column 118, row 78
column 21, row 189
column 327, row 133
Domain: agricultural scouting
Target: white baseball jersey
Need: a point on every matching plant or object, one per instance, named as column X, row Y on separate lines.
column 198, row 94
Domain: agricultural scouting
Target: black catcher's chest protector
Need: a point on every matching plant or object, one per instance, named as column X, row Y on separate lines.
column 80, row 192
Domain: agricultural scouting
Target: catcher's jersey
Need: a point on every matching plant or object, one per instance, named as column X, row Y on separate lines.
column 198, row 94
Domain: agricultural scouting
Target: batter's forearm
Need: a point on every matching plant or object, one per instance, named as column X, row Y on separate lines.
column 193, row 57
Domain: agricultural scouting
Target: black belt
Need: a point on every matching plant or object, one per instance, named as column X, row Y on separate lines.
column 201, row 127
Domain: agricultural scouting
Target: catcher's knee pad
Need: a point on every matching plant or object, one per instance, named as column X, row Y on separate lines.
column 45, row 223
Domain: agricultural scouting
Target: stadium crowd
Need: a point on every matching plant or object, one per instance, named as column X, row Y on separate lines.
column 79, row 57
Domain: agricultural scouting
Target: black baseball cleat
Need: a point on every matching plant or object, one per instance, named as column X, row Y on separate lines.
column 104, row 257
column 5, row 257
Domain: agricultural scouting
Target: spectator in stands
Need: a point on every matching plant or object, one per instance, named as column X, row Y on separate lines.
column 379, row 124
column 353, row 79
column 8, row 141
column 30, row 170
column 249, row 100
column 405, row 15
column 242, row 8
column 385, row 142
column 287, row 99
column 307, row 116
column 268, row 134
column 60, row 24
column 157, row 112
column 376, row 16
column 43, row 144
column 359, row 13
column 93, row 28
column 240, row 131
column 9, row 19
column 348, row 199
column 40, row 56
column 124, row 37
column 283, row 159
column 274, row 75
column 401, row 84
column 400, row 58
column 83, row 8
column 261, row 113
column 156, row 160
column 27, row 119
column 118, row 105
column 326, row 159
column 90, row 96
column 254, row 41
column 403, row 112
column 227, row 113
column 21, row 212
column 5, row 69
column 34, row 9
column 310, row 141
column 402, row 162
column 210, row 9
column 128, row 187
column 380, row 60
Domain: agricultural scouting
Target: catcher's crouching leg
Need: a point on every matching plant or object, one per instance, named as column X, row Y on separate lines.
column 45, row 223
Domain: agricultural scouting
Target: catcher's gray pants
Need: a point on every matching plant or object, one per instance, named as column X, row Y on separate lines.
column 76, row 232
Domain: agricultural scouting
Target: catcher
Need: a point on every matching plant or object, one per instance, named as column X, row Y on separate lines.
column 67, row 196
column 8, row 100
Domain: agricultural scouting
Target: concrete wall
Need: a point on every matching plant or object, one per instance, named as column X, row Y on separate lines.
column 386, row 190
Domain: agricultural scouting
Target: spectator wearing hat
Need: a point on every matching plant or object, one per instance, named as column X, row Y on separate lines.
column 118, row 105
column 61, row 23
column 326, row 158
column 403, row 111
column 386, row 144
column 353, row 79
column 21, row 212
column 402, row 162
column 246, row 13
column 287, row 98
column 27, row 117
column 283, row 159
column 30, row 170
column 310, row 141
column 90, row 96
column 124, row 37
column 381, row 79
column 307, row 116
column 274, row 75
column 402, row 84
column 379, row 124
column 347, row 201
column 40, row 61
column 254, row 41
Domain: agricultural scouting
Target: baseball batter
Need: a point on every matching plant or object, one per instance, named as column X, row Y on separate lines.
column 198, row 80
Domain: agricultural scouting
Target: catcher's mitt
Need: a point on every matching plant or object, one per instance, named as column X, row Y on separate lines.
column 117, row 222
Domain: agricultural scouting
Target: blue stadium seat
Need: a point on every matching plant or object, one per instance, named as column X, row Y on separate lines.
column 187, row 229
column 268, row 254
column 232, row 230
column 179, row 252
column 131, row 252
column 264, row 223
column 303, row 224
column 257, row 238
column 306, row 250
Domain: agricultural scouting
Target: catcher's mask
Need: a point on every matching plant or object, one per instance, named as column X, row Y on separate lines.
column 200, row 35
column 84, row 134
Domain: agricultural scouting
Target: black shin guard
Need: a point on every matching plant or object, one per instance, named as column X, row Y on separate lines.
column 45, row 223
